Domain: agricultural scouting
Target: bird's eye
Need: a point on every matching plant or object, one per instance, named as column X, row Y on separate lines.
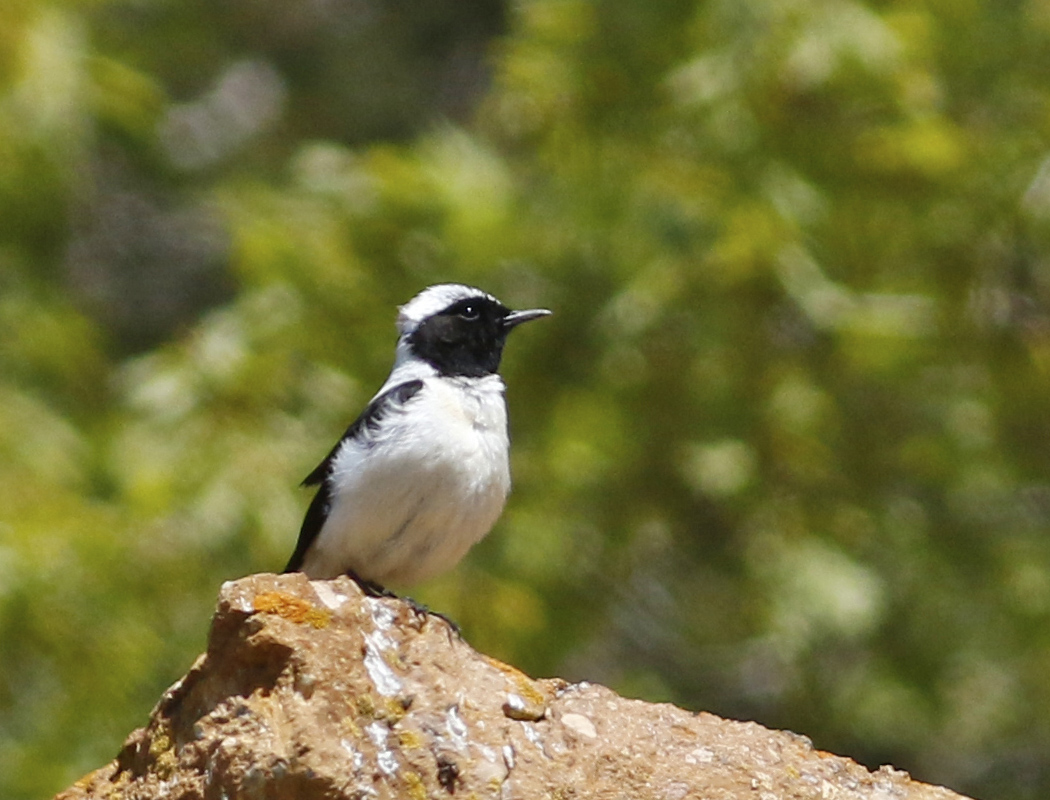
column 470, row 312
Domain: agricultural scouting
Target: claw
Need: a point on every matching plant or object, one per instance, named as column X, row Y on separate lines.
column 452, row 626
column 422, row 612
column 370, row 588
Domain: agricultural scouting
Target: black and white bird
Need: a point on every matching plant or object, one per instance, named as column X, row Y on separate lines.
column 422, row 474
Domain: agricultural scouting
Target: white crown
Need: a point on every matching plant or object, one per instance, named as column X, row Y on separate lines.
column 432, row 300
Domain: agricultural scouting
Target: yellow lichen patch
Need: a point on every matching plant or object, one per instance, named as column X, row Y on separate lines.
column 393, row 709
column 414, row 784
column 159, row 744
column 162, row 754
column 409, row 740
column 352, row 727
column 292, row 608
column 527, row 689
column 96, row 784
column 100, row 776
column 165, row 765
column 523, row 684
column 366, row 707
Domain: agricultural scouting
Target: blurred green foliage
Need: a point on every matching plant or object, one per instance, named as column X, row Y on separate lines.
column 783, row 452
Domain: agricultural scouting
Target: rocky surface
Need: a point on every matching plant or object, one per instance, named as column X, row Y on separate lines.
column 310, row 690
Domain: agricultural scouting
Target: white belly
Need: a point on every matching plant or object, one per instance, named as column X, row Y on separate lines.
column 411, row 505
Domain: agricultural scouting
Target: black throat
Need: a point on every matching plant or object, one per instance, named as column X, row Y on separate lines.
column 466, row 339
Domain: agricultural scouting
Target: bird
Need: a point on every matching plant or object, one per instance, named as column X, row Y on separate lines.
column 422, row 474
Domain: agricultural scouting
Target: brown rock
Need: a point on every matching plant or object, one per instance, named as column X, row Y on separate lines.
column 310, row 690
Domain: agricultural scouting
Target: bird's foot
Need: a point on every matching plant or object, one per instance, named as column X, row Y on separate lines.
column 370, row 588
column 422, row 612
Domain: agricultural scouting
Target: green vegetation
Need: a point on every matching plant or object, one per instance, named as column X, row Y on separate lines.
column 782, row 453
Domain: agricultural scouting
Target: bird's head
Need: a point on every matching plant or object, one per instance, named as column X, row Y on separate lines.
column 458, row 329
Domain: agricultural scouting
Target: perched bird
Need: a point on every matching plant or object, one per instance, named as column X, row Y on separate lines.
column 422, row 474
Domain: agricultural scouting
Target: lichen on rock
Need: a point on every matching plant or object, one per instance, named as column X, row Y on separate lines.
column 313, row 690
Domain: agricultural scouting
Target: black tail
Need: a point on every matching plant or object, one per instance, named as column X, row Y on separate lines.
column 315, row 518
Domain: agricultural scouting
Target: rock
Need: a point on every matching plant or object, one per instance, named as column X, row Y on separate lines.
column 311, row 690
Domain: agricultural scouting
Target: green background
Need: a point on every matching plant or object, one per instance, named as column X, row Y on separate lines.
column 782, row 453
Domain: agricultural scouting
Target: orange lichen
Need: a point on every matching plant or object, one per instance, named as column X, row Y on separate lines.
column 292, row 608
column 524, row 685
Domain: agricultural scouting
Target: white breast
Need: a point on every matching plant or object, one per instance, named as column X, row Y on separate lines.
column 408, row 505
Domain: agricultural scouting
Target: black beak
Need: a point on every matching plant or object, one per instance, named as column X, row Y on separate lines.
column 515, row 318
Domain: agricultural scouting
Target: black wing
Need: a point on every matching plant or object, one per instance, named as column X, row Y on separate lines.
column 368, row 422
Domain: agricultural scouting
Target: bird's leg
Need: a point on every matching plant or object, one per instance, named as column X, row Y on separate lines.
column 423, row 611
column 370, row 588
column 373, row 589
column 452, row 625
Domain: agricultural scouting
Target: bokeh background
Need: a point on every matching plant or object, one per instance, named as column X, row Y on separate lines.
column 783, row 452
